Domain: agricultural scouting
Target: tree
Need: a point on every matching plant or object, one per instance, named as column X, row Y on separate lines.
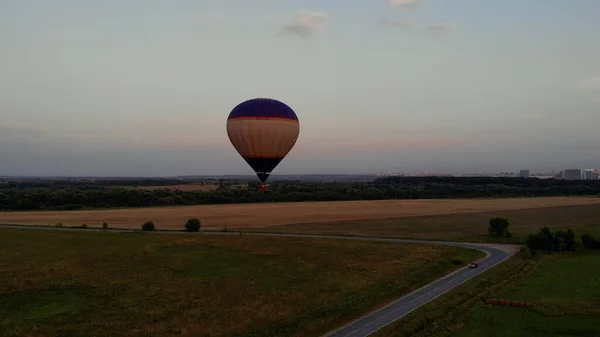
column 192, row 225
column 547, row 239
column 589, row 242
column 148, row 226
column 499, row 227
column 544, row 240
column 570, row 240
column 564, row 241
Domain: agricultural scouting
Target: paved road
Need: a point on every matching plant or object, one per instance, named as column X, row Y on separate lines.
column 401, row 307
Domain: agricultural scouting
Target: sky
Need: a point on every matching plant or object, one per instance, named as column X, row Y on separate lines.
column 144, row 87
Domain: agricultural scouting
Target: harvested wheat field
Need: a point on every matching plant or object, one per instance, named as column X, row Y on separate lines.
column 271, row 214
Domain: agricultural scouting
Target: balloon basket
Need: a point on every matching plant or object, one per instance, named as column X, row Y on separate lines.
column 263, row 188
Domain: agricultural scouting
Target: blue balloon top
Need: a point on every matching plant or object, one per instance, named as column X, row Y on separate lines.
column 262, row 107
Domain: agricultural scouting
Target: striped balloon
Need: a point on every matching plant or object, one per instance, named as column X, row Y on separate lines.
column 263, row 131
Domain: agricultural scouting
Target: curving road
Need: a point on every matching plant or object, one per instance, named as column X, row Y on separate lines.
column 371, row 322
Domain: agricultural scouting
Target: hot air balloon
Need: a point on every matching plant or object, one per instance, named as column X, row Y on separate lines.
column 263, row 131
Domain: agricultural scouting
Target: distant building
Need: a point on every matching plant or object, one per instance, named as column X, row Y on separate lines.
column 589, row 174
column 524, row 173
column 573, row 174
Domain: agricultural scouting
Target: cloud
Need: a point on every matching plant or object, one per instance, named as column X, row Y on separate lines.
column 8, row 126
column 589, row 84
column 418, row 27
column 405, row 3
column 341, row 145
column 304, row 24
column 211, row 19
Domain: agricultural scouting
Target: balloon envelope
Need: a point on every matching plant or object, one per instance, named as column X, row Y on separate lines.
column 263, row 131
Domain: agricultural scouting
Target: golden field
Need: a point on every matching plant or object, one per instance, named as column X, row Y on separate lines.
column 272, row 214
column 471, row 227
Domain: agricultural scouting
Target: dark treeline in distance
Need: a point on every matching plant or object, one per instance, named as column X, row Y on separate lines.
column 64, row 195
column 86, row 184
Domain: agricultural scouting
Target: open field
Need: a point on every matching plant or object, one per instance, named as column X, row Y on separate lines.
column 100, row 284
column 270, row 214
column 461, row 227
column 566, row 292
column 445, row 315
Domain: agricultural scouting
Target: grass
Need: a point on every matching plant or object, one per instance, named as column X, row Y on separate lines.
column 262, row 215
column 461, row 227
column 442, row 317
column 136, row 284
column 566, row 291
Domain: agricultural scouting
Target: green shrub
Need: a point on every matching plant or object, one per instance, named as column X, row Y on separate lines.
column 546, row 241
column 148, row 226
column 589, row 242
column 498, row 227
column 192, row 225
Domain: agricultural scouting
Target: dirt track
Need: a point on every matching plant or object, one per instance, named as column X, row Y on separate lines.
column 261, row 215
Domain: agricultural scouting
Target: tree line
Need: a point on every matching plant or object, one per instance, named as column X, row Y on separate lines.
column 560, row 241
column 94, row 183
column 545, row 241
column 67, row 195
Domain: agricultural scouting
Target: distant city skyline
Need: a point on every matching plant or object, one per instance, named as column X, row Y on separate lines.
column 137, row 88
column 567, row 173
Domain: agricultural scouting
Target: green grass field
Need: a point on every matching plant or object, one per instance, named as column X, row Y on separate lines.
column 566, row 291
column 136, row 284
column 443, row 316
column 461, row 227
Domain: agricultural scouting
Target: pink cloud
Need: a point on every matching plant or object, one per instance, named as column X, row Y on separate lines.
column 343, row 146
column 404, row 3
column 21, row 127
column 340, row 146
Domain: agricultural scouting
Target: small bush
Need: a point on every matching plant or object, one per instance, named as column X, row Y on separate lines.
column 589, row 242
column 526, row 251
column 104, row 225
column 148, row 226
column 192, row 225
column 498, row 227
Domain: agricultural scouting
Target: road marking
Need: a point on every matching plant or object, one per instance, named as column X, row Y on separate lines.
column 417, row 298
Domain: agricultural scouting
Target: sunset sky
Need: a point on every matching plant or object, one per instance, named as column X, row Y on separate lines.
column 144, row 87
